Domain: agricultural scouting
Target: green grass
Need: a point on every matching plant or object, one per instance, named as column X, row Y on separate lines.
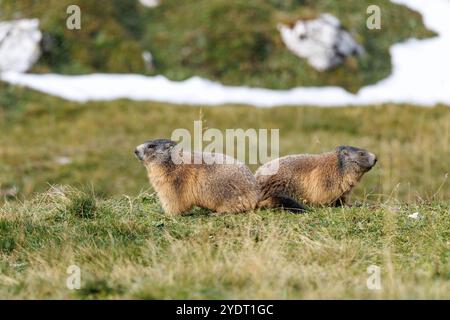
column 412, row 143
column 99, row 212
column 232, row 41
column 237, row 41
column 129, row 249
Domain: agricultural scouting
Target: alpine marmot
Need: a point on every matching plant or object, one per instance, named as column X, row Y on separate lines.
column 318, row 180
column 183, row 180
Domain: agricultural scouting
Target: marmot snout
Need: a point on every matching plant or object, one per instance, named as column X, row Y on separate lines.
column 212, row 181
column 318, row 180
column 156, row 151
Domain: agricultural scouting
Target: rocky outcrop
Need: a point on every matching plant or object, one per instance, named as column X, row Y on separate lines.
column 19, row 44
column 322, row 41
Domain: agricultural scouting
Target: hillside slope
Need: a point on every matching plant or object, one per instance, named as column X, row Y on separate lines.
column 235, row 42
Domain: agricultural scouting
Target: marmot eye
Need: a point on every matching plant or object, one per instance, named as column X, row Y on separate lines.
column 361, row 153
column 150, row 146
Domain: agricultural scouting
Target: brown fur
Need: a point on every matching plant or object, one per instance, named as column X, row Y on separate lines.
column 317, row 180
column 220, row 187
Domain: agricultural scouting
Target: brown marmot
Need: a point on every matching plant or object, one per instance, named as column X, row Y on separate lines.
column 318, row 180
column 183, row 180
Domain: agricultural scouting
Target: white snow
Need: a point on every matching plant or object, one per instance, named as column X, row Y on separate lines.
column 421, row 71
column 149, row 3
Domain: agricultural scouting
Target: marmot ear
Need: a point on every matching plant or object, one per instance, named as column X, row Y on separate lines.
column 344, row 152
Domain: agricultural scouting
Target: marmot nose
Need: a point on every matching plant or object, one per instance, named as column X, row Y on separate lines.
column 138, row 154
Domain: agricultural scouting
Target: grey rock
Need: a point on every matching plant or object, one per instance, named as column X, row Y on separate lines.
column 19, row 44
column 322, row 41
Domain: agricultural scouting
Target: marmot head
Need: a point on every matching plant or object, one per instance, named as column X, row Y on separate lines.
column 155, row 151
column 352, row 159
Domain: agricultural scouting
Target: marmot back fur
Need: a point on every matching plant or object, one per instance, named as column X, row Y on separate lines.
column 183, row 180
column 318, row 180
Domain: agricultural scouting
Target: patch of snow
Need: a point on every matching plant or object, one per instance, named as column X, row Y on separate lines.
column 420, row 76
column 322, row 41
column 19, row 44
column 104, row 87
column 149, row 3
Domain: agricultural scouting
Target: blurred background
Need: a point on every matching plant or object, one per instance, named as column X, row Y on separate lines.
column 274, row 44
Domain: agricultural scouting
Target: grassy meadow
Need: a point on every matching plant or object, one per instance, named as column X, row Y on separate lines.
column 72, row 192
column 96, row 209
column 98, row 139
column 126, row 248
